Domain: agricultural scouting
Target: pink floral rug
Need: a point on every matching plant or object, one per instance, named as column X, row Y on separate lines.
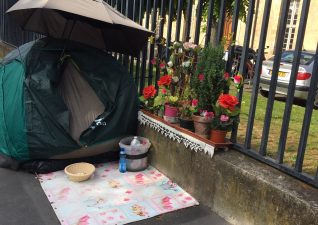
column 111, row 197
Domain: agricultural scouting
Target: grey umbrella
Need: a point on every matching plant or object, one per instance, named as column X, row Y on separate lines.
column 92, row 22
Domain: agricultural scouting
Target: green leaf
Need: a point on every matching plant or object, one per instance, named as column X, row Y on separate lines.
column 235, row 112
column 158, row 101
column 142, row 98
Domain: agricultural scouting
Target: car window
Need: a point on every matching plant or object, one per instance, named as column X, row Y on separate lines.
column 288, row 57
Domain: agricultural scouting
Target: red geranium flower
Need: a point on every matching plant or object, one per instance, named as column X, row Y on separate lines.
column 228, row 101
column 149, row 92
column 165, row 80
column 162, row 65
column 195, row 102
column 164, row 91
column 201, row 77
column 226, row 76
column 237, row 79
column 153, row 61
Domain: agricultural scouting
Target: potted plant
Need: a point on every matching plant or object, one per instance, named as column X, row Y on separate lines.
column 187, row 107
column 174, row 87
column 171, row 109
column 159, row 102
column 226, row 115
column 202, row 123
column 208, row 83
column 148, row 97
column 166, row 100
column 181, row 66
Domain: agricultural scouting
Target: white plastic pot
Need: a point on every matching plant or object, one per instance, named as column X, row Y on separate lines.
column 136, row 155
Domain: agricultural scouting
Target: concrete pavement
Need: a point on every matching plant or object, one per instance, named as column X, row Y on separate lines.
column 23, row 202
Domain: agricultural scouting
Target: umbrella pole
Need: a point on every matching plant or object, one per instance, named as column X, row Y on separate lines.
column 68, row 36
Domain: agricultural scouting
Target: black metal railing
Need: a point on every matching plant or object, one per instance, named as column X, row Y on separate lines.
column 159, row 16
column 9, row 32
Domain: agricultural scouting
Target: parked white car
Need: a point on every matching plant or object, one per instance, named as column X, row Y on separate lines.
column 303, row 77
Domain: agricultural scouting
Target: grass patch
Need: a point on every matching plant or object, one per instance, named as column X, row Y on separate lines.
column 297, row 116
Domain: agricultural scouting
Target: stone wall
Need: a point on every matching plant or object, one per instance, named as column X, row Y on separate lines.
column 237, row 187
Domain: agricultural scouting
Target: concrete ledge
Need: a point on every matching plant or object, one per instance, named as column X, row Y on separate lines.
column 237, row 187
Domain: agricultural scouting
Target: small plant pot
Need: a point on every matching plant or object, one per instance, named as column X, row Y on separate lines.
column 187, row 124
column 171, row 119
column 160, row 113
column 218, row 136
column 171, row 114
column 202, row 125
column 171, row 111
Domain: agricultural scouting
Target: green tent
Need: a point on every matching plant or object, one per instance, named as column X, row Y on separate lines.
column 61, row 104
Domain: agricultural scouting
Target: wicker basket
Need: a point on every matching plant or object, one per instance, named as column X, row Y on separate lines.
column 79, row 171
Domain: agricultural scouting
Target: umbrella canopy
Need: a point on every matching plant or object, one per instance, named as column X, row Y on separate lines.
column 92, row 22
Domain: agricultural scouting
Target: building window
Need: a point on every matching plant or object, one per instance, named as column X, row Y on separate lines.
column 291, row 25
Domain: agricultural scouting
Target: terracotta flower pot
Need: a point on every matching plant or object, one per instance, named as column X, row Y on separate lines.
column 218, row 136
column 187, row 124
column 202, row 125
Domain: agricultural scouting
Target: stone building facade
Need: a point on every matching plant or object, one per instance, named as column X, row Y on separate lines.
column 311, row 34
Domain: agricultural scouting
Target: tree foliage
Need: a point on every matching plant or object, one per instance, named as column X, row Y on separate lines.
column 229, row 8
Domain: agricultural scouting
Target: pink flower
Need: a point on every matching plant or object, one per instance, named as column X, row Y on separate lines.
column 203, row 112
column 154, row 61
column 201, row 77
column 195, row 102
column 164, row 91
column 186, row 45
column 189, row 45
column 237, row 79
column 224, row 118
column 162, row 65
column 226, row 76
column 207, row 114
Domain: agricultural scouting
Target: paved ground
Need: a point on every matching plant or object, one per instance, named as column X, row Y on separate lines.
column 22, row 202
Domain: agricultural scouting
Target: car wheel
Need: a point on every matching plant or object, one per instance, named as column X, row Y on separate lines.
column 263, row 93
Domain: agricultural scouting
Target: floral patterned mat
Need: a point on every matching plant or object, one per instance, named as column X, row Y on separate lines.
column 111, row 197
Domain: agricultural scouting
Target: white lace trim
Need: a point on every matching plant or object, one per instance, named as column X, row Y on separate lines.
column 174, row 134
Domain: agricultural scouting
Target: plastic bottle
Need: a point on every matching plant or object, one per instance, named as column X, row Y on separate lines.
column 122, row 161
column 135, row 141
